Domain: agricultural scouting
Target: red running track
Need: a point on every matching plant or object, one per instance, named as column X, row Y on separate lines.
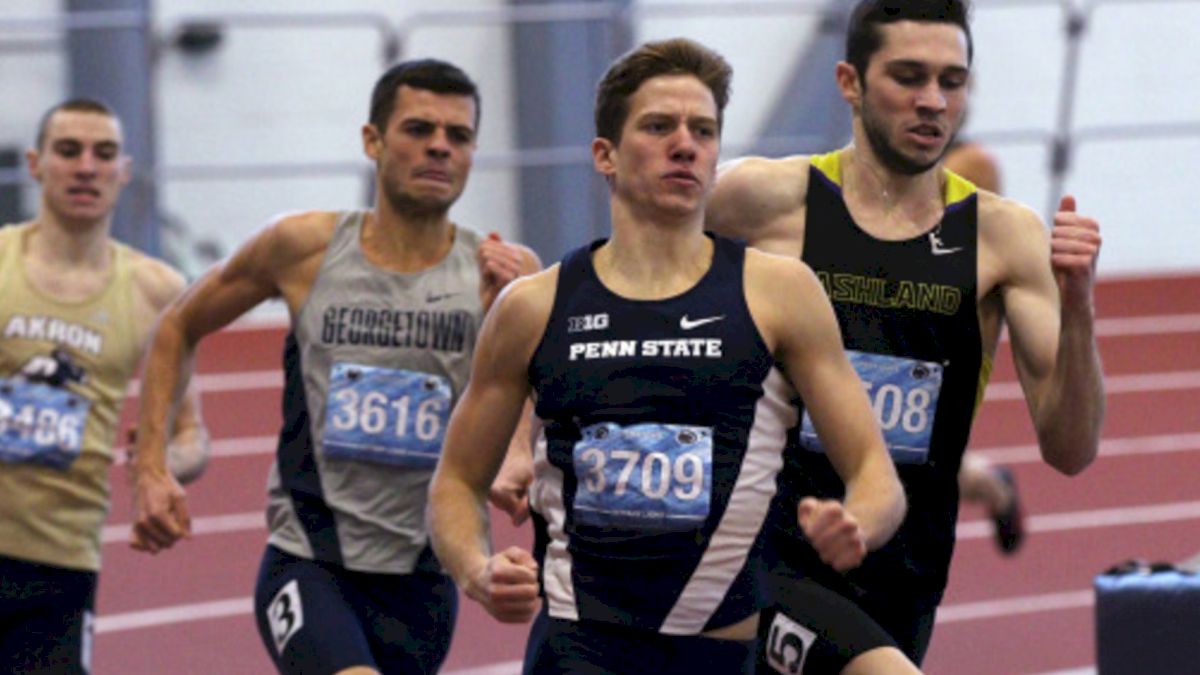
column 187, row 611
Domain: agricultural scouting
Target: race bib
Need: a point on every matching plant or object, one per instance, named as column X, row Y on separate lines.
column 646, row 477
column 40, row 424
column 904, row 393
column 395, row 417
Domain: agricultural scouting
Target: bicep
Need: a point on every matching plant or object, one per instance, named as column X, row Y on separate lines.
column 1031, row 307
column 813, row 355
column 489, row 410
column 231, row 288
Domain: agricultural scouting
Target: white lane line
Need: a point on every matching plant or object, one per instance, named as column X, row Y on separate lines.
column 1070, row 521
column 239, row 446
column 1110, row 447
column 972, row 529
column 1142, row 325
column 243, row 446
column 1027, row 604
column 1148, row 325
column 505, row 668
column 165, row 616
column 1113, row 384
column 230, row 522
column 256, row 380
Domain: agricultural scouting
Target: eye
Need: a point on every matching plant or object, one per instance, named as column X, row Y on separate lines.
column 953, row 82
column 417, row 128
column 460, row 135
column 67, row 149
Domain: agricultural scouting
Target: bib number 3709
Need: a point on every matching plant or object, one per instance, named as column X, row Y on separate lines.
column 395, row 417
column 645, row 476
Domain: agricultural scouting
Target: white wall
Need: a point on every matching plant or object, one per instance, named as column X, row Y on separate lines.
column 269, row 96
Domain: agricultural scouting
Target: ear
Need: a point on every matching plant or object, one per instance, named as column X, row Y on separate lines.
column 849, row 83
column 604, row 157
column 32, row 158
column 125, row 169
column 372, row 141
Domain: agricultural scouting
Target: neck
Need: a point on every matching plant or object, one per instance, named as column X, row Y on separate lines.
column 56, row 242
column 406, row 242
column 872, row 182
column 653, row 259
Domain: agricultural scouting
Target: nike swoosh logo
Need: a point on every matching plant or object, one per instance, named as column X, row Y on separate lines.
column 688, row 324
column 433, row 297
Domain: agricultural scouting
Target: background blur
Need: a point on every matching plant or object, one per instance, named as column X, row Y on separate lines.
column 241, row 109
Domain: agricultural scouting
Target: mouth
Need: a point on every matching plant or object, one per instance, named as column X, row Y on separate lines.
column 84, row 192
column 433, row 175
column 684, row 177
column 927, row 134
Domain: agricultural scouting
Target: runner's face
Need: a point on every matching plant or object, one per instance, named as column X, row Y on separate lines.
column 80, row 166
column 916, row 94
column 667, row 156
column 424, row 157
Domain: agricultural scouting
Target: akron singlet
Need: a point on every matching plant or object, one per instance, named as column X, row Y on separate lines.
column 907, row 312
column 664, row 423
column 375, row 361
column 64, row 368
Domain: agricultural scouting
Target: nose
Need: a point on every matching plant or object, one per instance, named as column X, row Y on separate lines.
column 86, row 163
column 439, row 144
column 683, row 146
column 931, row 97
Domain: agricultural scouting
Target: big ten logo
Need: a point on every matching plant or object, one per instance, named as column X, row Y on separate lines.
column 587, row 322
column 788, row 644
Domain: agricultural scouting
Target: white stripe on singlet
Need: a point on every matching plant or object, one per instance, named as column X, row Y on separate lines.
column 743, row 519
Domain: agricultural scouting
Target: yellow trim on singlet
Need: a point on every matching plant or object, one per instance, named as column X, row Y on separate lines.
column 829, row 164
column 957, row 188
column 985, row 375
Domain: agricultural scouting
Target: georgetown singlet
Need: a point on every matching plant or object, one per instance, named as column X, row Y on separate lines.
column 374, row 363
column 907, row 312
column 64, row 368
column 664, row 426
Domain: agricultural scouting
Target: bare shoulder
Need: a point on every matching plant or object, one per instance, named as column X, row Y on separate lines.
column 300, row 234
column 757, row 185
column 157, row 282
column 1005, row 223
column 1014, row 245
column 782, row 280
column 528, row 299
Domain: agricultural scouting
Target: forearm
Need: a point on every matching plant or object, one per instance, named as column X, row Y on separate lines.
column 1071, row 410
column 164, row 380
column 459, row 527
column 877, row 501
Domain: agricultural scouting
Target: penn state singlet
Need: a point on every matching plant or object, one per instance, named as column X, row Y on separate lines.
column 664, row 424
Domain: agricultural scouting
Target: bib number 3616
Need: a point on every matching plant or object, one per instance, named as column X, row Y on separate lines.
column 395, row 417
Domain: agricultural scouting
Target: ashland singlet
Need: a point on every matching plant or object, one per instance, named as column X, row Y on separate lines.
column 374, row 363
column 907, row 312
column 64, row 368
column 664, row 425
